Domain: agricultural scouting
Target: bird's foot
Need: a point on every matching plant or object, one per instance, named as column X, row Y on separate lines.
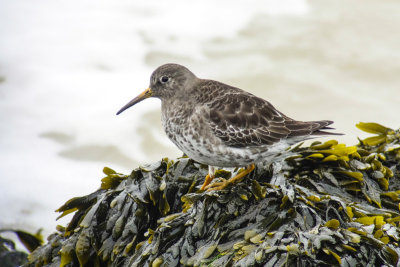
column 218, row 185
column 207, row 181
column 224, row 183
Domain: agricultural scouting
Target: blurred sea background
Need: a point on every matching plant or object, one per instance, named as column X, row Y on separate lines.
column 66, row 67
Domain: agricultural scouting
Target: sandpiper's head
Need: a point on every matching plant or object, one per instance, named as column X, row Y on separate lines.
column 165, row 82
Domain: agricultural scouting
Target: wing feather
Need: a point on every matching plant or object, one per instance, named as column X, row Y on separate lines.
column 240, row 119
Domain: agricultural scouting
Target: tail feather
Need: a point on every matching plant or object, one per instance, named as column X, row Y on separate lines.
column 310, row 128
column 323, row 126
column 319, row 132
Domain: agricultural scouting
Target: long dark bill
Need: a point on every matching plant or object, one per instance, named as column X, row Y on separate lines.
column 146, row 94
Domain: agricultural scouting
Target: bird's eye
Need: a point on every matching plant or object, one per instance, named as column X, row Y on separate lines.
column 164, row 79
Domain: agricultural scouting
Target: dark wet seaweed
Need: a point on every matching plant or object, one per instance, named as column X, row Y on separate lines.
column 325, row 204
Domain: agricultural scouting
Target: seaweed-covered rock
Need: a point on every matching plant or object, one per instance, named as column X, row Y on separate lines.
column 9, row 255
column 325, row 204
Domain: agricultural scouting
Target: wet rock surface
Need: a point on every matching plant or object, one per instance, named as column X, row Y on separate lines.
column 325, row 204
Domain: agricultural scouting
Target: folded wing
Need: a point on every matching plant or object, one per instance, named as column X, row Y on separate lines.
column 242, row 120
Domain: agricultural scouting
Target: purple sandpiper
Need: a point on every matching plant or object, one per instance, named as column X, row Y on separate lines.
column 220, row 125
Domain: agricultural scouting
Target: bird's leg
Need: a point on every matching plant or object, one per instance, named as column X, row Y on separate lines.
column 210, row 176
column 225, row 183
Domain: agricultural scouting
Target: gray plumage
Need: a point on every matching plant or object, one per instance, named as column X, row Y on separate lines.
column 221, row 125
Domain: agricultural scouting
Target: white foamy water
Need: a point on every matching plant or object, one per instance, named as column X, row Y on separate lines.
column 68, row 66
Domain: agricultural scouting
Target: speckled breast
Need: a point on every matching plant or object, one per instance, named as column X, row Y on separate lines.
column 192, row 134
